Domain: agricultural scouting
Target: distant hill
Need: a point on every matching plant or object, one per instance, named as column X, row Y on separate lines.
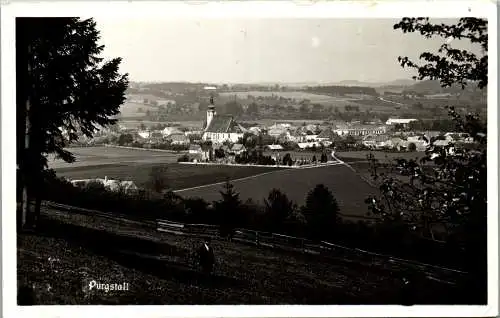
column 395, row 83
column 434, row 87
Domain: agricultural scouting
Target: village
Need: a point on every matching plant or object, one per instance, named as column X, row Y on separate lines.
column 222, row 139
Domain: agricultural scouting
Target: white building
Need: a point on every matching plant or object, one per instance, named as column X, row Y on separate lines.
column 401, row 121
column 170, row 130
column 110, row 184
column 360, row 130
column 144, row 134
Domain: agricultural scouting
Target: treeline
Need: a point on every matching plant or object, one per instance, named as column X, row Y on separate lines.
column 342, row 90
column 318, row 219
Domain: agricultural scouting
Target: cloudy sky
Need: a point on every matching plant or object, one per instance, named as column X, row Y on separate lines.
column 257, row 50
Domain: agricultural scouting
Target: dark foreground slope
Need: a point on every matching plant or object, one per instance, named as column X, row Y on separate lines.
column 70, row 250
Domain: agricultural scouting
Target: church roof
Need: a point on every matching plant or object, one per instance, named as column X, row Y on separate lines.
column 220, row 124
column 224, row 124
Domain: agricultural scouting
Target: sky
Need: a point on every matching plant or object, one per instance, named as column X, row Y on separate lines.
column 262, row 50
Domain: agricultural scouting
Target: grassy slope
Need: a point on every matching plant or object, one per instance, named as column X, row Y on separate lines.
column 157, row 267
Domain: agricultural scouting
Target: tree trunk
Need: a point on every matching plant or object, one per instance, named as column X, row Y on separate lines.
column 25, row 206
column 25, row 203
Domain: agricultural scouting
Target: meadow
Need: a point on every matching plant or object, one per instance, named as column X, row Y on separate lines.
column 133, row 124
column 177, row 176
column 349, row 156
column 159, row 270
column 206, row 181
column 131, row 109
column 349, row 190
column 136, row 165
column 102, row 156
column 314, row 98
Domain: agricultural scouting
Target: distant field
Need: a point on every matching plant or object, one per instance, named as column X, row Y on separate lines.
column 314, row 98
column 96, row 156
column 349, row 190
column 296, row 154
column 129, row 109
column 348, row 156
column 136, row 165
column 269, row 122
column 178, row 176
column 131, row 124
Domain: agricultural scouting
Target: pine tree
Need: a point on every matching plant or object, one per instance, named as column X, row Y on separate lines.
column 63, row 88
column 228, row 210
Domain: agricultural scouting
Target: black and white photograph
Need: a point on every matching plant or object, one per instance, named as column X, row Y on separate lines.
column 229, row 154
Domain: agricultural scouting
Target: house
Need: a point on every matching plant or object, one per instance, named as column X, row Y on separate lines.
column 418, row 140
column 238, row 149
column 178, row 139
column 361, row 130
column 431, row 134
column 275, row 147
column 326, row 135
column 376, row 141
column 305, row 145
column 276, row 131
column 206, row 153
column 110, row 184
column 456, row 136
column 312, row 127
column 129, row 186
column 220, row 128
column 295, row 136
column 311, row 137
column 201, row 153
column 195, row 149
column 396, row 143
column 255, row 130
column 401, row 121
column 145, row 134
column 441, row 142
column 156, row 137
column 224, row 148
column 170, row 131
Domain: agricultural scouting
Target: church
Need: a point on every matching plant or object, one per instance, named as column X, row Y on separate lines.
column 221, row 128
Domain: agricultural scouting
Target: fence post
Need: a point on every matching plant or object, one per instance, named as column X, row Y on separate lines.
column 256, row 238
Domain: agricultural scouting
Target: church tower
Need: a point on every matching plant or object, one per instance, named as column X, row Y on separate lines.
column 210, row 111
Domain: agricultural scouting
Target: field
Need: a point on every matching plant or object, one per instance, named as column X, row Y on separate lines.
column 178, row 176
column 126, row 164
column 349, row 156
column 314, row 98
column 130, row 109
column 349, row 190
column 101, row 156
column 158, row 269
column 132, row 124
column 136, row 165
column 295, row 122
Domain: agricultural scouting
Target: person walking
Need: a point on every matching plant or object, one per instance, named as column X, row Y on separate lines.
column 206, row 257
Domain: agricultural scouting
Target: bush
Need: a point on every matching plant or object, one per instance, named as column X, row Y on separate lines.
column 183, row 158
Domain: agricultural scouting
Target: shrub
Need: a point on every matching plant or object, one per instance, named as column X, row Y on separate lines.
column 183, row 158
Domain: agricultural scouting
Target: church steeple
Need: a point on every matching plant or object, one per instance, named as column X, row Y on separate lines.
column 211, row 109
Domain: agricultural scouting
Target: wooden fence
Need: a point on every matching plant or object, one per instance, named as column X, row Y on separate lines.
column 263, row 239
